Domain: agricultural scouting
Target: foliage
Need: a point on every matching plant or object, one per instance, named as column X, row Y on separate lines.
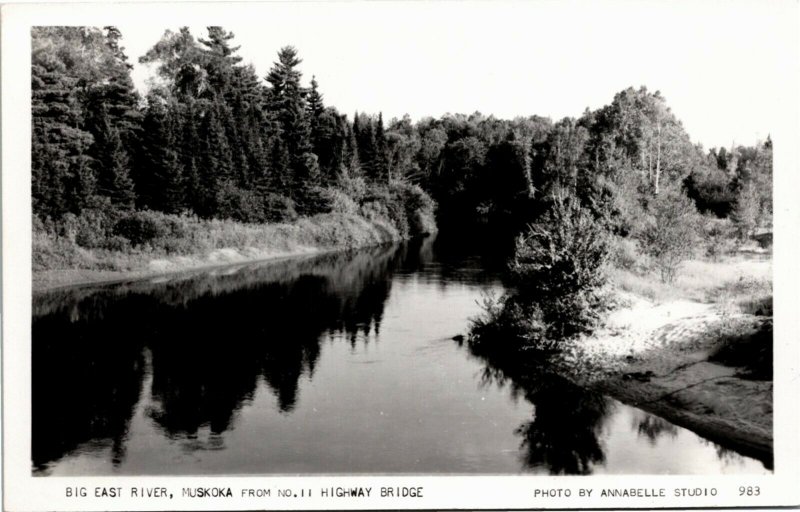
column 560, row 264
column 558, row 273
column 213, row 139
column 718, row 236
column 143, row 227
column 625, row 254
column 746, row 211
column 507, row 325
column 671, row 232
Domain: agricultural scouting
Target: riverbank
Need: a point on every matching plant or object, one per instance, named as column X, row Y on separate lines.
column 697, row 353
column 47, row 280
column 181, row 243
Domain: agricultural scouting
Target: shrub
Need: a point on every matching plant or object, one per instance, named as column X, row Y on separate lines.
column 748, row 347
column 670, row 233
column 564, row 253
column 93, row 227
column 558, row 272
column 278, row 208
column 239, row 204
column 719, row 237
column 355, row 187
column 507, row 325
column 339, row 201
column 746, row 211
column 624, row 253
column 313, row 200
column 419, row 207
column 142, row 227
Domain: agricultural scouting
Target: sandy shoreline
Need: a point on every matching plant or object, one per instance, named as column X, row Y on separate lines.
column 662, row 358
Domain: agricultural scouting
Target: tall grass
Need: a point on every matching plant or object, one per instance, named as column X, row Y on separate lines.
column 737, row 283
column 126, row 240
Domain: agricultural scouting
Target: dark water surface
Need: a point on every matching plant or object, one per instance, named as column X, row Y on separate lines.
column 341, row 363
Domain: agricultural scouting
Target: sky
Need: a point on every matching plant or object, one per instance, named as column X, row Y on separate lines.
column 721, row 65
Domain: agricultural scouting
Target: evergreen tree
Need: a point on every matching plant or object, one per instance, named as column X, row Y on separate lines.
column 365, row 141
column 111, row 162
column 286, row 101
column 117, row 94
column 189, row 153
column 315, row 109
column 215, row 163
column 381, row 164
column 62, row 179
column 351, row 158
column 159, row 178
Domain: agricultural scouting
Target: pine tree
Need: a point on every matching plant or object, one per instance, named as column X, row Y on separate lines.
column 62, row 179
column 112, row 164
column 159, row 179
column 117, row 93
column 381, row 161
column 189, row 150
column 314, row 111
column 286, row 101
column 351, row 157
column 281, row 176
column 215, row 163
column 365, row 140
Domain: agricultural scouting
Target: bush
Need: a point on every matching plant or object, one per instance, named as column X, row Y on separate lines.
column 143, row 227
column 239, row 204
column 719, row 237
column 278, row 208
column 93, row 227
column 625, row 254
column 507, row 325
column 748, row 347
column 558, row 272
column 383, row 201
column 354, row 187
column 670, row 233
column 312, row 201
column 339, row 201
column 563, row 253
column 420, row 208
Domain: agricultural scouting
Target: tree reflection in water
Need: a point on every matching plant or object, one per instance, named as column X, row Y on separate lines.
column 652, row 427
column 211, row 339
column 564, row 435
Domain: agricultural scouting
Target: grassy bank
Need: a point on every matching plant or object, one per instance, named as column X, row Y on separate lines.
column 107, row 245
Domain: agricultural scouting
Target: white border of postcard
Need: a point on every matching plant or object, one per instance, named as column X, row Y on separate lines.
column 22, row 491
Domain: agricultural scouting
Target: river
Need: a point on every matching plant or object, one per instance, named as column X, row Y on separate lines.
column 339, row 363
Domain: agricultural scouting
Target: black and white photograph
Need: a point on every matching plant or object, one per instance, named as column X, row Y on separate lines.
column 396, row 239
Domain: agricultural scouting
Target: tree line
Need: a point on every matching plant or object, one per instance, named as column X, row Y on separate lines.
column 210, row 137
column 214, row 139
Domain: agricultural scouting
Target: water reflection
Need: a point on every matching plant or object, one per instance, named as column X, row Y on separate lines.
column 652, row 427
column 338, row 363
column 209, row 339
column 578, row 431
column 92, row 385
column 564, row 435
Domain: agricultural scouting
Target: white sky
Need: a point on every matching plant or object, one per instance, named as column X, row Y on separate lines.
column 718, row 63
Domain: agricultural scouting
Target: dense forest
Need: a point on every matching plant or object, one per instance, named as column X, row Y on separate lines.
column 213, row 140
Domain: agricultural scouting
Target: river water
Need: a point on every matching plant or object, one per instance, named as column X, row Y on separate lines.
column 340, row 363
